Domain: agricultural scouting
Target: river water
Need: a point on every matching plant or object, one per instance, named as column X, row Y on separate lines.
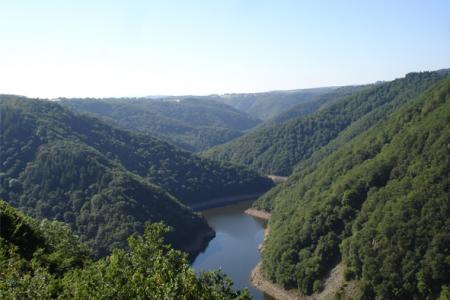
column 235, row 246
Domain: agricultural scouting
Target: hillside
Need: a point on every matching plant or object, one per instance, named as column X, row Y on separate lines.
column 378, row 203
column 44, row 260
column 277, row 149
column 194, row 124
column 103, row 181
column 267, row 105
column 317, row 103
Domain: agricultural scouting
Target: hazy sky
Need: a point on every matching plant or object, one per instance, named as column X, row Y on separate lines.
column 137, row 48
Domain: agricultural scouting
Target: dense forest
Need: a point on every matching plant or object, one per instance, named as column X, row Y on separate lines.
column 193, row 123
column 316, row 103
column 45, row 260
column 106, row 182
column 376, row 202
column 279, row 148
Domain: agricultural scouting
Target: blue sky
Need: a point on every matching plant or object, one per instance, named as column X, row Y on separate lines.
column 137, row 48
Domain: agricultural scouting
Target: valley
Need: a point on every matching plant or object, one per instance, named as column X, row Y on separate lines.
column 342, row 179
column 225, row 150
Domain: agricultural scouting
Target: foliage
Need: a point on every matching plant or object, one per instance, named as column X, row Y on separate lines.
column 317, row 103
column 192, row 123
column 379, row 203
column 27, row 124
column 277, row 149
column 51, row 242
column 102, row 180
column 150, row 269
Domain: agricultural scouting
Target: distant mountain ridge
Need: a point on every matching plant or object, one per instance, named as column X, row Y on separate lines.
column 193, row 123
column 267, row 105
column 316, row 103
column 262, row 105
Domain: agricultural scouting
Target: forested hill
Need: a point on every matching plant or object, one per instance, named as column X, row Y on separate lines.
column 279, row 148
column 316, row 103
column 193, row 123
column 44, row 260
column 378, row 204
column 267, row 105
column 106, row 182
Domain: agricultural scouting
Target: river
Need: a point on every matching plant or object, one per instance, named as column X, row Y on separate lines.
column 234, row 249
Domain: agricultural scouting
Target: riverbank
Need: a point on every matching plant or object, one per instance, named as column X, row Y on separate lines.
column 277, row 179
column 276, row 291
column 199, row 244
column 331, row 285
column 222, row 201
column 217, row 202
column 257, row 278
column 260, row 214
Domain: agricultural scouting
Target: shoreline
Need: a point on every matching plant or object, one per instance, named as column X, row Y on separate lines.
column 202, row 240
column 277, row 179
column 274, row 290
column 257, row 278
column 226, row 200
column 260, row 214
column 331, row 283
column 223, row 201
column 199, row 244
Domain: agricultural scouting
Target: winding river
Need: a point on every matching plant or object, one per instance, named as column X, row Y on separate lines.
column 235, row 246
